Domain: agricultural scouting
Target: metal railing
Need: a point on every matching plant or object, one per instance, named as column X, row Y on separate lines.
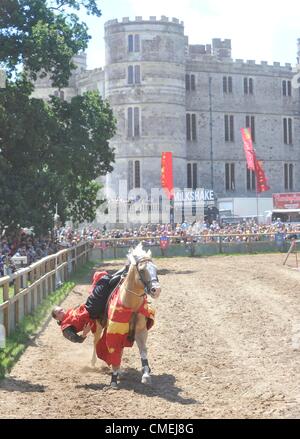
column 193, row 245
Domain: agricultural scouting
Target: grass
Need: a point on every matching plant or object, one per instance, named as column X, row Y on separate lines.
column 11, row 293
column 16, row 343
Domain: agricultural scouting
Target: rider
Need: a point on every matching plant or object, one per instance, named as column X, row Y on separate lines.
column 84, row 317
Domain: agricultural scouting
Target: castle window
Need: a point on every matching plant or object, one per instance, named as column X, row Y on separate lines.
column 251, row 180
column 248, row 86
column 137, row 174
column 287, row 88
column 229, row 177
column 130, row 75
column 191, row 128
column 133, row 122
column 250, row 123
column 193, row 82
column 133, row 43
column 192, row 176
column 229, row 128
column 288, row 176
column 134, row 75
column 190, row 82
column 134, row 174
column 227, row 84
column 287, row 130
column 137, row 74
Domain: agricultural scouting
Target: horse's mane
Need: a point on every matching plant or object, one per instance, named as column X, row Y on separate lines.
column 138, row 253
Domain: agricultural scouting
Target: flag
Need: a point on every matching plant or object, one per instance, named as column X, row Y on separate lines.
column 164, row 242
column 167, row 174
column 248, row 147
column 261, row 180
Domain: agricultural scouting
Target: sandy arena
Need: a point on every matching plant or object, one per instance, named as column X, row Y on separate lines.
column 226, row 344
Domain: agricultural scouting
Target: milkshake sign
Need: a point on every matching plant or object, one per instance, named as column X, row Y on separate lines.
column 199, row 195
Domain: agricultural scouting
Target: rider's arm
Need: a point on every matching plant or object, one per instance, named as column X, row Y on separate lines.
column 70, row 334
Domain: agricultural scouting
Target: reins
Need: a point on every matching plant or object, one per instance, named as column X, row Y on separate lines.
column 132, row 292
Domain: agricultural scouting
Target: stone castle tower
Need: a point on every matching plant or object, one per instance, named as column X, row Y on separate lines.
column 145, row 85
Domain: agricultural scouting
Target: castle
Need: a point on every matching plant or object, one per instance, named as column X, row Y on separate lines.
column 168, row 95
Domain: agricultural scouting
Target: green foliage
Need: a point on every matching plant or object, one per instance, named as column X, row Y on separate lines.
column 50, row 152
column 43, row 36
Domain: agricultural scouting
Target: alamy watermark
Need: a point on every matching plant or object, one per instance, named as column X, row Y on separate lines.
column 141, row 207
column 2, row 337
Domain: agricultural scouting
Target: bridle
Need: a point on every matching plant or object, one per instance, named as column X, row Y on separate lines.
column 147, row 284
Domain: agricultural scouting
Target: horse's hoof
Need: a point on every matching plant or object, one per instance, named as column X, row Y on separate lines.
column 147, row 380
column 114, row 385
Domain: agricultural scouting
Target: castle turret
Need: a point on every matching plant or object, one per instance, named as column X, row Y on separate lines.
column 145, row 85
column 221, row 49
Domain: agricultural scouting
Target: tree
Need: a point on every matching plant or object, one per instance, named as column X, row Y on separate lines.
column 42, row 36
column 50, row 152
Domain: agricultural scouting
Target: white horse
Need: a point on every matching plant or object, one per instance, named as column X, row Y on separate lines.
column 129, row 314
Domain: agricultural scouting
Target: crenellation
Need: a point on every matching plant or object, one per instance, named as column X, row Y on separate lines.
column 197, row 49
column 139, row 19
column 208, row 49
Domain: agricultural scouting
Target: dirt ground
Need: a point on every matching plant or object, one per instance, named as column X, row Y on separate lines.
column 226, row 344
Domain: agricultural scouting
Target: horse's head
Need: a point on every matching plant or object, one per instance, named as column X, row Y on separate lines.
column 146, row 270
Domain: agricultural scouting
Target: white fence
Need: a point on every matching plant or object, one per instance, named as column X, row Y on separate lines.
column 32, row 284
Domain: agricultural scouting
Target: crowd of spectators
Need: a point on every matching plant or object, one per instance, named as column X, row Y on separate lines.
column 35, row 248
column 31, row 248
column 198, row 231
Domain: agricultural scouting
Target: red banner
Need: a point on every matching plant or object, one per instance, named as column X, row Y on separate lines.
column 261, row 180
column 167, row 174
column 248, row 147
column 286, row 201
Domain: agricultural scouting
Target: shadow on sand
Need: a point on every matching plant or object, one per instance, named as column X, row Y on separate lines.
column 12, row 384
column 163, row 386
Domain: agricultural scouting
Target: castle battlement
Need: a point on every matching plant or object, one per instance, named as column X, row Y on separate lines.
column 263, row 65
column 220, row 52
column 141, row 20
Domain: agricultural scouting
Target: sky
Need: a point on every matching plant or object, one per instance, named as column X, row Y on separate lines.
column 260, row 30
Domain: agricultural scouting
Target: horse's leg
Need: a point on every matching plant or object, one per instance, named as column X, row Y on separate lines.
column 97, row 336
column 114, row 377
column 141, row 336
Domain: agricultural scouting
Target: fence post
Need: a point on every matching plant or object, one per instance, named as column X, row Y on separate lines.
column 6, row 309
column 220, row 245
column 115, row 250
column 192, row 249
